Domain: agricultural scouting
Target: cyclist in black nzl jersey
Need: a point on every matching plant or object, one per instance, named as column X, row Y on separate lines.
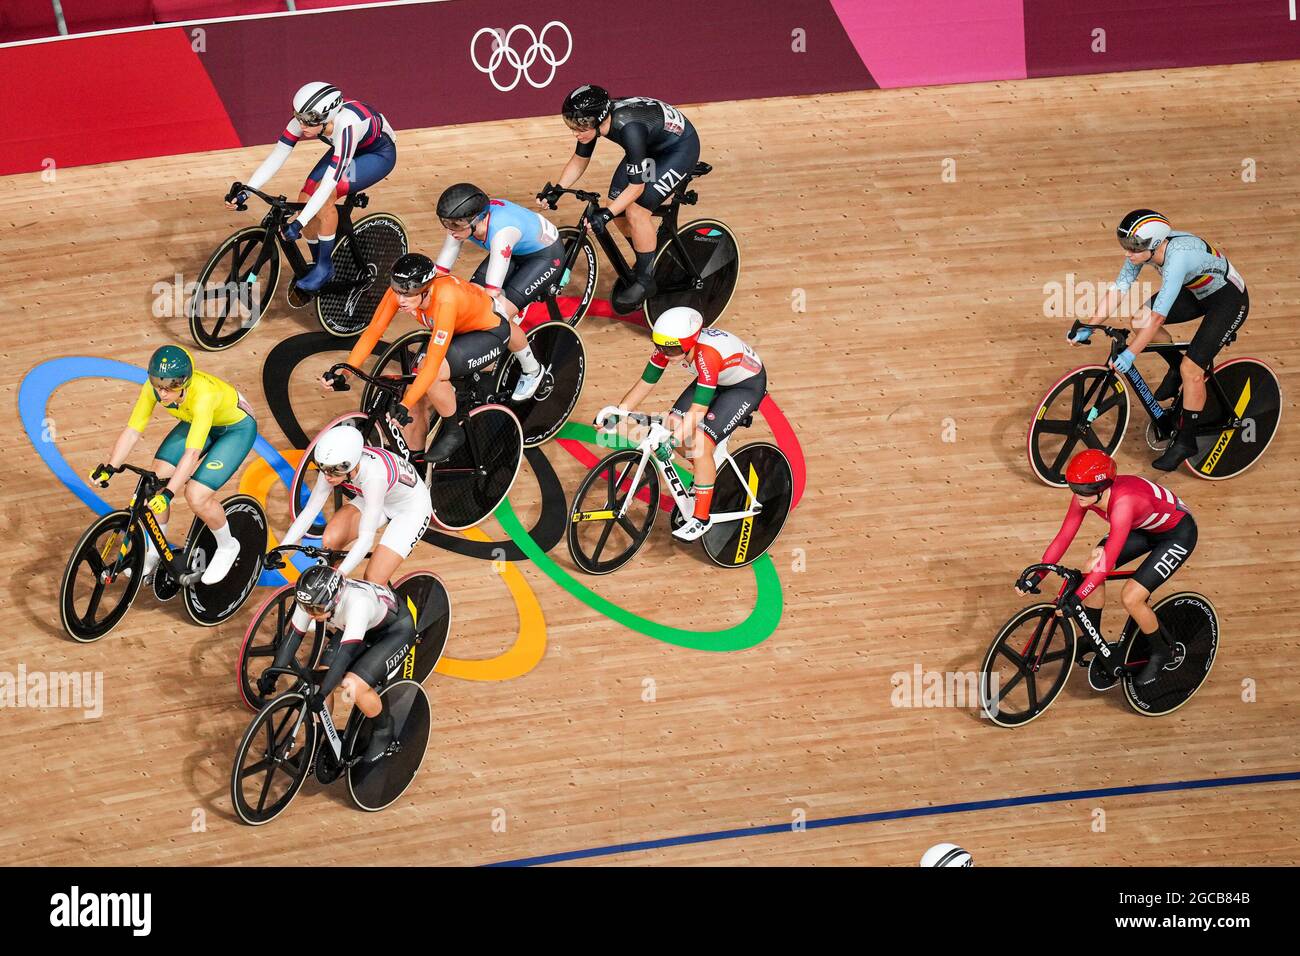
column 660, row 147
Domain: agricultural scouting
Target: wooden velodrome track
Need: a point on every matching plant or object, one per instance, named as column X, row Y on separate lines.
column 924, row 315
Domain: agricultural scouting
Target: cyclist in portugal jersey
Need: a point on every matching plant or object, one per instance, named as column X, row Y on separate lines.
column 729, row 384
column 214, row 433
column 386, row 489
column 1145, row 519
column 660, row 147
column 1196, row 282
column 371, row 631
column 362, row 151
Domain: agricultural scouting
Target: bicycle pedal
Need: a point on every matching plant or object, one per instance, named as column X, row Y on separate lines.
column 1098, row 678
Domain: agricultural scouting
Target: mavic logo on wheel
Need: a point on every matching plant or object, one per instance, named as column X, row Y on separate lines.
column 503, row 54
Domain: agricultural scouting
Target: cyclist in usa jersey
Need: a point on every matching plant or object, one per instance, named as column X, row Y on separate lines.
column 386, row 489
column 1196, row 281
column 1145, row 519
column 660, row 147
column 363, row 151
column 730, row 382
column 524, row 255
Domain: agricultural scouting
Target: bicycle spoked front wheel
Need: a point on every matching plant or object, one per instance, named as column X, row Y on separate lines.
column 233, row 291
column 397, row 363
column 266, row 632
column 1075, row 415
column 576, row 288
column 1255, row 396
column 600, row 539
column 469, row 485
column 1192, row 622
column 273, row 759
column 348, row 301
column 102, row 577
column 1026, row 666
column 713, row 255
column 768, row 479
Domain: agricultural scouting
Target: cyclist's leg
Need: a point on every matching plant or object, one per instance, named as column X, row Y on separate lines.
column 1225, row 311
column 320, row 232
column 1185, row 308
column 393, row 641
column 1136, row 544
column 165, row 460
column 1169, row 552
column 468, row 352
column 341, row 529
column 729, row 406
column 404, row 532
column 228, row 446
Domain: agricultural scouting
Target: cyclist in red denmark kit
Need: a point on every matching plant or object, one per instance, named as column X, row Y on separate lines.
column 1145, row 518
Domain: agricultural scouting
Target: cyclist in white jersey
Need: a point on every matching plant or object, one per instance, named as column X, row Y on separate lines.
column 730, row 382
column 363, row 151
column 386, row 488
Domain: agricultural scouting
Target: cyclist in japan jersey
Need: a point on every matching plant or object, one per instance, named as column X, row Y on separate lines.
column 362, row 151
column 660, row 147
column 1145, row 519
column 729, row 384
column 1196, row 281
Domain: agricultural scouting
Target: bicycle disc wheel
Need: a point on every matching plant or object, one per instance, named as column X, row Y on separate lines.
column 1255, row 396
column 377, row 785
column 348, row 301
column 558, row 348
column 306, row 472
column 1058, row 429
column 576, row 288
column 713, row 255
column 266, row 631
column 430, row 604
column 768, row 477
column 1026, row 666
column 397, row 363
column 102, row 577
column 272, row 761
column 469, row 485
column 1194, row 625
column 599, row 541
column 230, row 297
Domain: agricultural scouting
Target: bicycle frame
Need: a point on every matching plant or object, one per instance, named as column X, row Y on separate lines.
column 278, row 215
column 1070, row 579
column 142, row 514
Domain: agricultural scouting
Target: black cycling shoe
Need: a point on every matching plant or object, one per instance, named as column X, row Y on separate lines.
column 266, row 685
column 381, row 738
column 1179, row 450
column 448, row 442
column 1169, row 385
column 630, row 298
column 1161, row 654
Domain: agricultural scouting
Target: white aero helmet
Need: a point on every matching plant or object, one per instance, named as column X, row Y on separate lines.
column 945, row 855
column 316, row 104
column 1142, row 230
column 339, row 450
column 677, row 327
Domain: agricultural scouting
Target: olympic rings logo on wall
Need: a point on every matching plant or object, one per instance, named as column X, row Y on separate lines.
column 504, row 53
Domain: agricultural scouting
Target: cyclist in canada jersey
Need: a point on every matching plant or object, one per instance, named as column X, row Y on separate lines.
column 371, row 631
column 730, row 382
column 363, row 151
column 386, row 489
column 660, row 148
column 1196, row 281
column 468, row 331
column 213, row 435
column 1145, row 519
column 522, row 265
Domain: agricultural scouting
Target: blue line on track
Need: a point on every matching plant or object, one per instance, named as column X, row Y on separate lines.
column 903, row 814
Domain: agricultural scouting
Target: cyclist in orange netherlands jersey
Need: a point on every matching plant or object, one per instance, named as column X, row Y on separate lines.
column 1144, row 518
column 213, row 435
column 467, row 333
column 730, row 382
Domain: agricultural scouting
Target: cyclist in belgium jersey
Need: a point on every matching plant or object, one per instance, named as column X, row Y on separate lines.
column 524, row 255
column 216, row 429
column 1145, row 518
column 660, row 148
column 372, row 631
column 363, row 151
column 468, row 331
column 386, row 489
column 729, row 384
column 1196, row 281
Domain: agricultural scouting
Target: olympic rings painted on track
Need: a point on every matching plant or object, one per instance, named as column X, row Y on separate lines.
column 502, row 51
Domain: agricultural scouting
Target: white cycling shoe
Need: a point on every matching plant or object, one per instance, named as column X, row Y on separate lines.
column 693, row 528
column 222, row 560
column 527, row 385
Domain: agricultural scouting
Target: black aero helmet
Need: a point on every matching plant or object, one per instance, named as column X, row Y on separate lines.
column 412, row 273
column 319, row 588
column 462, row 201
column 586, row 106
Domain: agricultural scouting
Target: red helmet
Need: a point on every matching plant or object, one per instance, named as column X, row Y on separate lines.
column 1090, row 472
